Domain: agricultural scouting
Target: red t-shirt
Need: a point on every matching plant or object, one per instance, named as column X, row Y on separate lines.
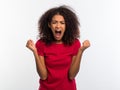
column 58, row 58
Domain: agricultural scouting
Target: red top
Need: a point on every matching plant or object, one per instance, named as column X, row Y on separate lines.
column 58, row 59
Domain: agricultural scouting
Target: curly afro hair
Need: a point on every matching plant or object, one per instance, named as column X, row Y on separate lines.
column 72, row 25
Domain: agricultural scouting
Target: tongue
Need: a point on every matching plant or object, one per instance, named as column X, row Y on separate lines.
column 57, row 35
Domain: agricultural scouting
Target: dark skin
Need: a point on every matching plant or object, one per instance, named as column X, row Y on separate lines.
column 40, row 63
column 58, row 23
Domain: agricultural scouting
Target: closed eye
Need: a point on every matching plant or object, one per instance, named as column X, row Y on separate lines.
column 55, row 22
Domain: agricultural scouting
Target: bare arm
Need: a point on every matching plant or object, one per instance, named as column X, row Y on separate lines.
column 76, row 60
column 40, row 64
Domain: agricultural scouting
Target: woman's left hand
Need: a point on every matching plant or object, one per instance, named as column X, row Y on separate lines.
column 85, row 45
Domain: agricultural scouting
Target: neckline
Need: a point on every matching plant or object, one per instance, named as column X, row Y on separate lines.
column 58, row 44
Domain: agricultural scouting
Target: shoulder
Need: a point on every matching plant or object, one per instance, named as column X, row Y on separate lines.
column 76, row 41
column 40, row 43
column 76, row 45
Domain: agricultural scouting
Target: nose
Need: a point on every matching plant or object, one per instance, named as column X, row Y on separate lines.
column 58, row 25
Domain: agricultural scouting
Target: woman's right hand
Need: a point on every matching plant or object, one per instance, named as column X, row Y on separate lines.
column 30, row 45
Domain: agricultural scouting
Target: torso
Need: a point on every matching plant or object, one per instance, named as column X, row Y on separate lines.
column 58, row 58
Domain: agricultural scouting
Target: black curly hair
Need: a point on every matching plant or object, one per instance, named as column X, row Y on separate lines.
column 71, row 21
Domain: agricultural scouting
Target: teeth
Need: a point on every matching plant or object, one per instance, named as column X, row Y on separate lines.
column 57, row 31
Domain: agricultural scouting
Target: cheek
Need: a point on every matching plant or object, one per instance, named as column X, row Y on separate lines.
column 52, row 28
column 64, row 29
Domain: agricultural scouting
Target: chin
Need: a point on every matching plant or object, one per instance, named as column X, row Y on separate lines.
column 58, row 40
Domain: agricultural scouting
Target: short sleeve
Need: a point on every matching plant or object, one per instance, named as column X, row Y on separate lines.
column 76, row 46
column 40, row 47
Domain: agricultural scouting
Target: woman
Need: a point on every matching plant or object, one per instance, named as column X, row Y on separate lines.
column 58, row 52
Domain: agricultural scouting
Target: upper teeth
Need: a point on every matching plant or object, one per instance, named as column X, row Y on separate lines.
column 58, row 31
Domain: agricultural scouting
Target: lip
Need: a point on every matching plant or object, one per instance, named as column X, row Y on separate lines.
column 58, row 34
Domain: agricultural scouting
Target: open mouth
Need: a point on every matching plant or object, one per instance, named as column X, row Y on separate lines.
column 58, row 32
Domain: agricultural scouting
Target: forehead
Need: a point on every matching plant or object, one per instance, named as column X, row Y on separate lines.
column 58, row 17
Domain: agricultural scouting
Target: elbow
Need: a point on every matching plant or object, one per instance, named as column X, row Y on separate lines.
column 71, row 77
column 43, row 78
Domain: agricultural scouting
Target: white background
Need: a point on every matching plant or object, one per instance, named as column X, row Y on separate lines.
column 100, row 23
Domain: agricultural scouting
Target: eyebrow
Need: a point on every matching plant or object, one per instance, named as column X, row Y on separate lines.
column 58, row 21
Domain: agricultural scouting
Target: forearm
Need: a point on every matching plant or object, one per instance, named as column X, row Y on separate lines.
column 75, row 66
column 40, row 64
column 41, row 69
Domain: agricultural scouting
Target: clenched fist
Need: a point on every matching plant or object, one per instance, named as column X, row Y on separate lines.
column 30, row 44
column 85, row 45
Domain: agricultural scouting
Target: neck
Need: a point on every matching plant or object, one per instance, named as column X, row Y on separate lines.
column 58, row 42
